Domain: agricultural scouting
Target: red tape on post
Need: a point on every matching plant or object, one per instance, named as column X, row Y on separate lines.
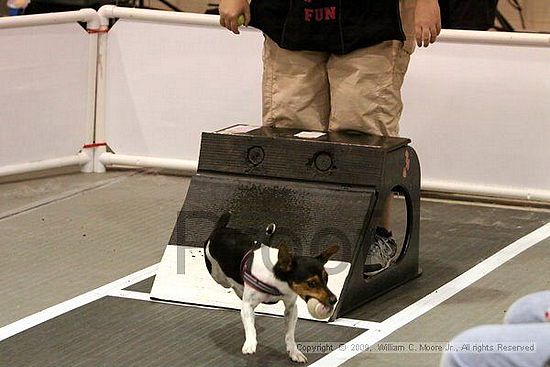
column 98, row 30
column 94, row 145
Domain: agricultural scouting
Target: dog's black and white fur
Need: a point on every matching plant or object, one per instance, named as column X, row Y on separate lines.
column 291, row 275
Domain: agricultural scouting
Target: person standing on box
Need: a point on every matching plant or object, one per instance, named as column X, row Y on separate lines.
column 338, row 65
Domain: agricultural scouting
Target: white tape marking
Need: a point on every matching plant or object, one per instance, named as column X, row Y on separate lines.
column 61, row 308
column 358, row 324
column 141, row 296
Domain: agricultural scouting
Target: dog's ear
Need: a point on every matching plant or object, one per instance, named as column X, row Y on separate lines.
column 284, row 259
column 325, row 255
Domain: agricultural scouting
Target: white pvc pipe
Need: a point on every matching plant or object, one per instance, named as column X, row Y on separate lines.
column 187, row 166
column 89, row 16
column 447, row 35
column 92, row 86
column 486, row 190
column 100, row 100
column 452, row 36
column 494, row 38
column 75, row 160
column 107, row 12
column 190, row 167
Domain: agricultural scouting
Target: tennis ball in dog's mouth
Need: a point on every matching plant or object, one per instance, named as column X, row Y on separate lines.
column 318, row 310
column 240, row 20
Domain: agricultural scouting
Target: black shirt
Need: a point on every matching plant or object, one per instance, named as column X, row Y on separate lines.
column 336, row 26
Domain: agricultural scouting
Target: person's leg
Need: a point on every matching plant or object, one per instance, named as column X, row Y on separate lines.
column 523, row 345
column 366, row 88
column 295, row 88
column 385, row 221
column 365, row 92
column 529, row 309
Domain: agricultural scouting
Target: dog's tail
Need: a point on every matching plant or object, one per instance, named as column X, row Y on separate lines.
column 223, row 221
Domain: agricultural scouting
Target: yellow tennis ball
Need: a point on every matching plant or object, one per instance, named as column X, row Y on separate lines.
column 240, row 20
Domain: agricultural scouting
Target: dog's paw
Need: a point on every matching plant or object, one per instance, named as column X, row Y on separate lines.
column 249, row 347
column 297, row 356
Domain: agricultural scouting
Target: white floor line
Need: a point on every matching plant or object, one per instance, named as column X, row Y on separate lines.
column 141, row 296
column 358, row 324
column 61, row 308
column 486, row 205
column 376, row 332
column 417, row 309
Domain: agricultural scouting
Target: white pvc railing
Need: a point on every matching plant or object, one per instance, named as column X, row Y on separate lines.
column 106, row 13
column 494, row 38
column 97, row 158
column 447, row 37
column 108, row 93
column 186, row 166
column 476, row 110
column 158, row 16
column 83, row 159
column 89, row 16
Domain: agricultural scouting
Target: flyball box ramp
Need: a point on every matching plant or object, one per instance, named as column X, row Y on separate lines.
column 319, row 189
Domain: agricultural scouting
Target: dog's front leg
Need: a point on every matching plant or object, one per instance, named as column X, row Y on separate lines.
column 250, row 301
column 291, row 316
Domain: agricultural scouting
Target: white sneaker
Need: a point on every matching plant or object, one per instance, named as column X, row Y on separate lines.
column 381, row 254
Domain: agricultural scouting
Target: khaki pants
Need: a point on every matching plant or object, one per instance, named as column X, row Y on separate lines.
column 359, row 91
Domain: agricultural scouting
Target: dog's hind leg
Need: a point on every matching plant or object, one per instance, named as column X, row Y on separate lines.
column 214, row 268
column 291, row 316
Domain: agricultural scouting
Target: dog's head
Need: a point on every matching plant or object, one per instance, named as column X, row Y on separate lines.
column 306, row 275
